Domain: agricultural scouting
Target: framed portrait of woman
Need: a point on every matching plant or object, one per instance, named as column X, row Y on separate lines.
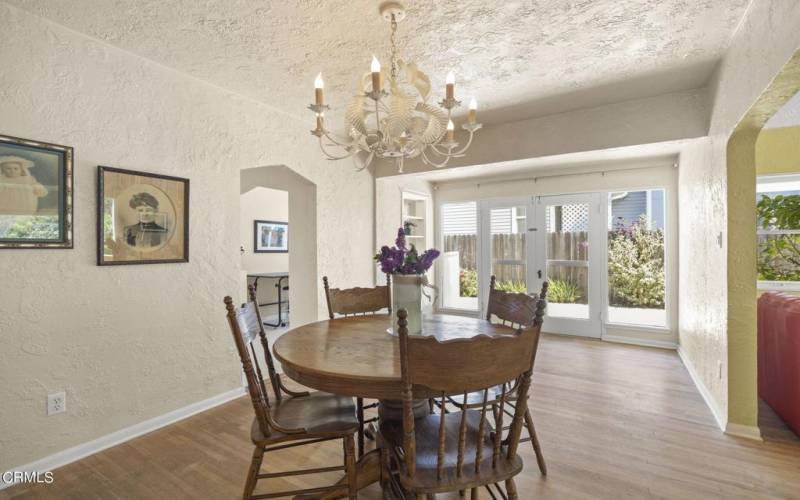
column 36, row 182
column 142, row 218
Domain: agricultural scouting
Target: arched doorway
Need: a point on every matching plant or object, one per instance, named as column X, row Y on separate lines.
column 301, row 195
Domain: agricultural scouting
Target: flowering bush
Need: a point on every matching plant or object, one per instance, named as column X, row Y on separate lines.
column 400, row 259
column 636, row 265
column 468, row 283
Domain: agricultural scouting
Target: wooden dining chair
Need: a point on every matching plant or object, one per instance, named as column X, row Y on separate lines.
column 458, row 451
column 359, row 302
column 291, row 418
column 518, row 310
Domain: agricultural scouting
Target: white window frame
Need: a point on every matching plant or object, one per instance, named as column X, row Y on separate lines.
column 439, row 306
column 772, row 183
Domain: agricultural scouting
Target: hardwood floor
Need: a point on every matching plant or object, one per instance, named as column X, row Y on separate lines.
column 615, row 421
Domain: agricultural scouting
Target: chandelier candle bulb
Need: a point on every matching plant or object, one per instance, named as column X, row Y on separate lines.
column 398, row 123
column 473, row 111
column 376, row 74
column 318, row 85
column 450, row 84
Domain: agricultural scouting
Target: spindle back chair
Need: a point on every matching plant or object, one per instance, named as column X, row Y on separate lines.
column 359, row 302
column 289, row 416
column 518, row 310
column 459, row 451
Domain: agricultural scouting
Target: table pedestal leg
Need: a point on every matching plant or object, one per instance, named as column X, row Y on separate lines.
column 368, row 468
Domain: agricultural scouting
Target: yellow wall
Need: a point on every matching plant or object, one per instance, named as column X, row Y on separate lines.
column 778, row 151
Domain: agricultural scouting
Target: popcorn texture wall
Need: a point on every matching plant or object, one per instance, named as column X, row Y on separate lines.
column 130, row 343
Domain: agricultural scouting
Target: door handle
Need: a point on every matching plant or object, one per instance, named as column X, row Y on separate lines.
column 539, row 272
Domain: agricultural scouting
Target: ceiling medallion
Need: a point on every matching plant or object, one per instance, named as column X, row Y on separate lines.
column 390, row 116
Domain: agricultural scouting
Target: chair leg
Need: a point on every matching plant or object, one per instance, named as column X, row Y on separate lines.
column 350, row 467
column 474, row 494
column 384, row 464
column 537, row 448
column 511, row 489
column 360, row 415
column 252, row 474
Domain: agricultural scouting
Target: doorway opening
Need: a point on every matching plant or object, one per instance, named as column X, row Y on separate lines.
column 278, row 244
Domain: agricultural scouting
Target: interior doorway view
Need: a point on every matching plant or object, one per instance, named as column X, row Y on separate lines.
column 603, row 254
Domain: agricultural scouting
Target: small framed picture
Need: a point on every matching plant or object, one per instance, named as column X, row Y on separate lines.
column 35, row 194
column 270, row 237
column 142, row 218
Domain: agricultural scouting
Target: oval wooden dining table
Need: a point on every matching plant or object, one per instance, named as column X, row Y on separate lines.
column 357, row 356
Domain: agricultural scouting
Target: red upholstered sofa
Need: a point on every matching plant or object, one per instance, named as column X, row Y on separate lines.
column 779, row 355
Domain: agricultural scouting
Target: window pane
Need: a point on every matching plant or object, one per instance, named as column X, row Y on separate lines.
column 779, row 257
column 458, row 263
column 508, row 227
column 778, row 207
column 636, row 258
column 567, row 260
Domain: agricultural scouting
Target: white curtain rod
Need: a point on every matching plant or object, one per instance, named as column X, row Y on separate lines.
column 602, row 173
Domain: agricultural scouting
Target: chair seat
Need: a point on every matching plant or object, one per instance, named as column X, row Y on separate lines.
column 321, row 415
column 427, row 450
column 475, row 399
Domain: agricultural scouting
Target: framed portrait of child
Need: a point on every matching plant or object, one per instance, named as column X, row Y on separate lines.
column 142, row 218
column 36, row 182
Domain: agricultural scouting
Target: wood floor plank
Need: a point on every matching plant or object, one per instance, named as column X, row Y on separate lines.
column 615, row 421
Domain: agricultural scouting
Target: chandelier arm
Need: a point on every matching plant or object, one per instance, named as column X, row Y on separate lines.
column 332, row 156
column 335, row 141
column 463, row 150
column 435, row 147
column 432, row 163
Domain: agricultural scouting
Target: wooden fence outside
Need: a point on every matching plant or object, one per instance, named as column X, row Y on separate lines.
column 561, row 246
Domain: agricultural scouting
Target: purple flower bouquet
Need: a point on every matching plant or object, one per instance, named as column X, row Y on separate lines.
column 400, row 259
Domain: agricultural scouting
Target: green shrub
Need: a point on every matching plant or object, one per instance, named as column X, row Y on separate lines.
column 636, row 266
column 468, row 283
column 511, row 286
column 564, row 292
column 779, row 255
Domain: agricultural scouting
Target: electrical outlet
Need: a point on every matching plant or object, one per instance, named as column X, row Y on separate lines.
column 56, row 403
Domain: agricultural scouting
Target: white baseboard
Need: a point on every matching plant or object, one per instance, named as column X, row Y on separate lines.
column 661, row 344
column 744, row 431
column 96, row 445
column 719, row 416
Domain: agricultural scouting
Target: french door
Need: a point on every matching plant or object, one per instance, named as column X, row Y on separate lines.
column 568, row 253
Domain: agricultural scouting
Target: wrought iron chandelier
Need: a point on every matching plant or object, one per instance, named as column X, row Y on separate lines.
column 394, row 120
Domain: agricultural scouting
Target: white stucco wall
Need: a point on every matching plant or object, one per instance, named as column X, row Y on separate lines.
column 130, row 343
column 668, row 117
column 262, row 203
column 765, row 41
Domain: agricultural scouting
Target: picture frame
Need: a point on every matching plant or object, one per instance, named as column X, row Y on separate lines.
column 270, row 236
column 36, row 194
column 142, row 218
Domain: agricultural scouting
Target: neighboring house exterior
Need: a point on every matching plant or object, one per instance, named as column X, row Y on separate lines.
column 628, row 206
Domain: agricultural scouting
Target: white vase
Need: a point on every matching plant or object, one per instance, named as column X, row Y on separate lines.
column 407, row 294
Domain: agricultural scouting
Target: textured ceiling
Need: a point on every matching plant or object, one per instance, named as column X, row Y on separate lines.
column 520, row 58
column 788, row 115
